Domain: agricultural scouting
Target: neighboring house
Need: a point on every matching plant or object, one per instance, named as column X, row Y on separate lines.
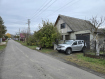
column 73, row 28
column 22, row 37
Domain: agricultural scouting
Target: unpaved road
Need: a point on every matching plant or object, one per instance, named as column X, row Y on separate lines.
column 20, row 62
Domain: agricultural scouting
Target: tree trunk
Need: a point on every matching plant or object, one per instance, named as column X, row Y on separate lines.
column 97, row 48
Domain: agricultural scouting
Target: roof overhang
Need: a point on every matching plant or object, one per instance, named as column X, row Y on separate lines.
column 57, row 20
column 70, row 31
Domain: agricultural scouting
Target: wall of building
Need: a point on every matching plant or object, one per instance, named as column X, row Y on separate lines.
column 62, row 31
column 67, row 28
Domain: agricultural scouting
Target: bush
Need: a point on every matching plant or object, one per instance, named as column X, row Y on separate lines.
column 47, row 35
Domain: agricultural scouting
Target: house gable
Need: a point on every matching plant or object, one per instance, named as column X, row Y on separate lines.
column 75, row 24
column 59, row 24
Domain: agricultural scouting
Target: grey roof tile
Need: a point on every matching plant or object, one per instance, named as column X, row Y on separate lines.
column 76, row 24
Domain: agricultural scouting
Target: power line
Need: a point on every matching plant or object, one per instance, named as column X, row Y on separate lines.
column 42, row 8
column 62, row 7
column 46, row 8
column 59, row 8
column 38, row 9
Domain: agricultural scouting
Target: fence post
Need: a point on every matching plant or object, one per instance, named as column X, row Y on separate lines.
column 103, row 46
column 85, row 49
column 95, row 47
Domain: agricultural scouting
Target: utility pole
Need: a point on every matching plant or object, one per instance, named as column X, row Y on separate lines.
column 28, row 26
column 19, row 34
column 28, row 30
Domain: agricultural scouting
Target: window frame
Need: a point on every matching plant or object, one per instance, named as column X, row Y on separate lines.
column 79, row 42
column 74, row 43
column 63, row 25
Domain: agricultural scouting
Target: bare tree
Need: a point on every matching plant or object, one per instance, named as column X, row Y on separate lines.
column 96, row 25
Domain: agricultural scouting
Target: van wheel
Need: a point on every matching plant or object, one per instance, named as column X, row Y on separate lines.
column 59, row 51
column 68, row 51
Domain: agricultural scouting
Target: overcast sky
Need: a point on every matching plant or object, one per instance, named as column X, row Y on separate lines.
column 15, row 13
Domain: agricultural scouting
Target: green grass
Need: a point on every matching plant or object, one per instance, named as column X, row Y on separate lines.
column 91, row 60
column 2, row 47
column 45, row 50
column 25, row 44
column 92, row 63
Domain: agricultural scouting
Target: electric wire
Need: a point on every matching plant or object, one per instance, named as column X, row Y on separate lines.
column 41, row 9
column 46, row 8
column 62, row 7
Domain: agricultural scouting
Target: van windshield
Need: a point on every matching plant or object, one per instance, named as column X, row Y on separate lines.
column 68, row 42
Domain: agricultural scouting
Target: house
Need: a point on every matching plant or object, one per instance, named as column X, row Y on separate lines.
column 22, row 37
column 73, row 28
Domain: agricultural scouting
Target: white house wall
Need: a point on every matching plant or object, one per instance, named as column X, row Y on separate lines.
column 62, row 31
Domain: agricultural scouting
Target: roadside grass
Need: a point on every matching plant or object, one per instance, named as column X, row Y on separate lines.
column 91, row 60
column 2, row 47
column 32, row 47
column 91, row 63
column 25, row 44
column 46, row 50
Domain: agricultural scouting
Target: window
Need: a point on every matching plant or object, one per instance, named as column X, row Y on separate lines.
column 79, row 42
column 66, row 37
column 63, row 26
column 75, row 43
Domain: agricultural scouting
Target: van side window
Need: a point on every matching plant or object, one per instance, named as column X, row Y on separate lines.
column 79, row 42
column 75, row 43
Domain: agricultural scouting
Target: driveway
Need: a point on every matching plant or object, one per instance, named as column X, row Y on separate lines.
column 20, row 62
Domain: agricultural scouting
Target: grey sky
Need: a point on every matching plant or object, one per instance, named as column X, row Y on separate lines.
column 16, row 12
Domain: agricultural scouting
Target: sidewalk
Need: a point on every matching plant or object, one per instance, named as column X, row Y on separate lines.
column 3, row 43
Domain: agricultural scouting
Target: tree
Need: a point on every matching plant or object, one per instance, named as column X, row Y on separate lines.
column 9, row 35
column 2, row 28
column 96, row 24
column 47, row 35
column 6, row 37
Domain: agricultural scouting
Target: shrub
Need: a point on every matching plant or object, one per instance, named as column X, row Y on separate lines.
column 47, row 35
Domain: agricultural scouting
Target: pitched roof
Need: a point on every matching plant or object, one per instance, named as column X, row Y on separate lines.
column 75, row 24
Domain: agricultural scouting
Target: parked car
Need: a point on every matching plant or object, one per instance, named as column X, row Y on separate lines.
column 9, row 38
column 71, row 45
